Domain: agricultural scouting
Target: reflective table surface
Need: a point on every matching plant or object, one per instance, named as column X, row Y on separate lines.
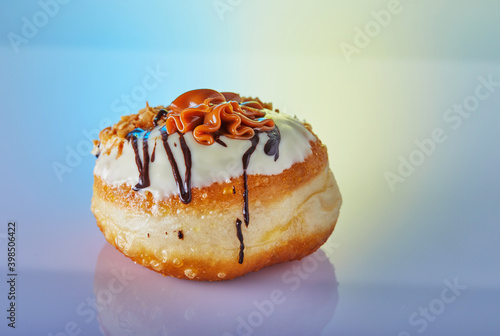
column 413, row 143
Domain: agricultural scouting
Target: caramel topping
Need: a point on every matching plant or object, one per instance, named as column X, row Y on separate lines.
column 207, row 113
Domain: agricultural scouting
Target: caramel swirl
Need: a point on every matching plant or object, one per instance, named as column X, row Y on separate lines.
column 210, row 114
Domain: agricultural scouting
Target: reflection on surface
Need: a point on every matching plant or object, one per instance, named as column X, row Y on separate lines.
column 296, row 298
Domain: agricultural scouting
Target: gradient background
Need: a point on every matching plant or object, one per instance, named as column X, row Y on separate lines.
column 391, row 250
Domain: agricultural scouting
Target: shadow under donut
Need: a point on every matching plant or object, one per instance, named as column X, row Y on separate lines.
column 294, row 298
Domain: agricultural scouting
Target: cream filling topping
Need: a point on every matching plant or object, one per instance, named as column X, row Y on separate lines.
column 210, row 164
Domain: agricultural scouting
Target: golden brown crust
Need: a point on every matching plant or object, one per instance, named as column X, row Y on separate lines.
column 260, row 187
column 222, row 269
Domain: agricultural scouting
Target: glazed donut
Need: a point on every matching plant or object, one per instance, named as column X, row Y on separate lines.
column 213, row 186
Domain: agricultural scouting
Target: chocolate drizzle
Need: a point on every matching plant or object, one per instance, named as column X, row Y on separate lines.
column 197, row 105
column 159, row 115
column 142, row 165
column 239, row 234
column 153, row 154
column 219, row 141
column 184, row 187
column 246, row 162
column 272, row 147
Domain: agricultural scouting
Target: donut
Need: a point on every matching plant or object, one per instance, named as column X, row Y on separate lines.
column 213, row 186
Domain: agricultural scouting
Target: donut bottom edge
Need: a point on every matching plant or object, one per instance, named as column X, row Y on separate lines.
column 300, row 224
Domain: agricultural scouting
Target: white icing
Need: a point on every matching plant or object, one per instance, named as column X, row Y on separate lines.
column 210, row 164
